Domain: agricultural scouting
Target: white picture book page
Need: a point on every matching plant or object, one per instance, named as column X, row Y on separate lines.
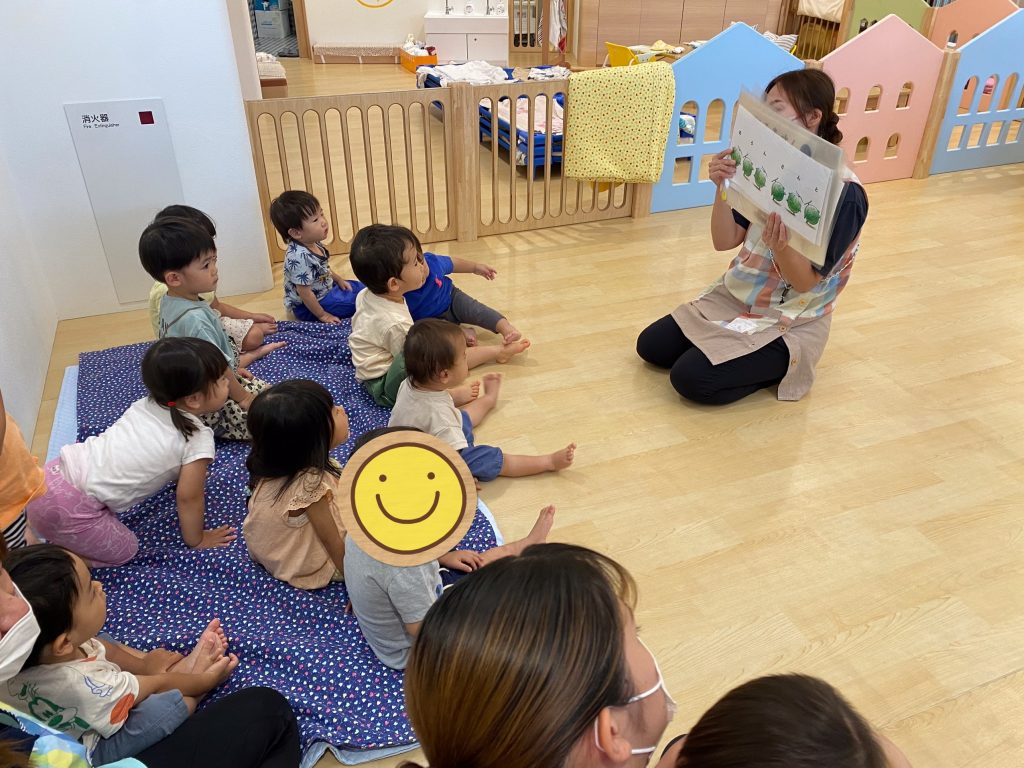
column 784, row 168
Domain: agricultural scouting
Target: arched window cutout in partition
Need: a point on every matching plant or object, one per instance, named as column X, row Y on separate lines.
column 892, row 147
column 874, row 99
column 988, row 93
column 903, row 100
column 842, row 101
column 715, row 121
column 1009, row 88
column 861, row 155
column 967, row 97
column 689, row 119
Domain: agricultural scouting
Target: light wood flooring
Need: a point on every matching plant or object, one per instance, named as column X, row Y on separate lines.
column 870, row 534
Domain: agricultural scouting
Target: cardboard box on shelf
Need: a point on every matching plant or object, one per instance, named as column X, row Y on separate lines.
column 273, row 24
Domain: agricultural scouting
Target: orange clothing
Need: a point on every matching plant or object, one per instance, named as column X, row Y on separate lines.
column 21, row 477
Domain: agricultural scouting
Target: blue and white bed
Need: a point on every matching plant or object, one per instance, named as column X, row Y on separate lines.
column 540, row 138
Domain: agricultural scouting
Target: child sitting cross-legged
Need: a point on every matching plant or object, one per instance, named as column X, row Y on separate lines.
column 436, row 359
column 181, row 254
column 116, row 700
column 293, row 528
column 159, row 439
column 390, row 601
column 246, row 329
column 312, row 290
column 389, row 260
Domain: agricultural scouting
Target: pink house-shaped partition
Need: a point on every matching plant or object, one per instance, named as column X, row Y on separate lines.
column 885, row 79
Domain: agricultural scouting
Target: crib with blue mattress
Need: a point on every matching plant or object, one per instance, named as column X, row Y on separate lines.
column 521, row 147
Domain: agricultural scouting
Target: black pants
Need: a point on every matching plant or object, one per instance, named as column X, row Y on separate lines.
column 694, row 376
column 253, row 728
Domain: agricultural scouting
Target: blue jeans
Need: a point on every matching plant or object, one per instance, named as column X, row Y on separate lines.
column 338, row 302
column 149, row 722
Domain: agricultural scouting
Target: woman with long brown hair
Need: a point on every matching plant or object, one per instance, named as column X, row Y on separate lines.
column 535, row 662
column 766, row 321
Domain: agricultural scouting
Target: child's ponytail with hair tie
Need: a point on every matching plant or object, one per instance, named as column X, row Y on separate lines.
column 174, row 368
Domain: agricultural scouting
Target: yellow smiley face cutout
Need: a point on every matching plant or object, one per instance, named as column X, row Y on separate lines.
column 410, row 498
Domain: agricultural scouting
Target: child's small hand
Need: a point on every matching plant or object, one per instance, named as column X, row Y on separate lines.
column 159, row 660
column 245, row 373
column 218, row 537
column 461, row 560
column 263, row 317
column 327, row 317
column 345, row 285
column 485, row 271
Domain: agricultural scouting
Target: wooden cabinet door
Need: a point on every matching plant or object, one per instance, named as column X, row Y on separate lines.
column 660, row 20
column 450, row 46
column 702, row 19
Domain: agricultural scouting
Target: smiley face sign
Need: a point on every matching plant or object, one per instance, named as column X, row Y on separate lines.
column 406, row 498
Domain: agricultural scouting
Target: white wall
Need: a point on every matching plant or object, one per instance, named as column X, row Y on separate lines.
column 181, row 52
column 346, row 22
column 27, row 314
column 245, row 48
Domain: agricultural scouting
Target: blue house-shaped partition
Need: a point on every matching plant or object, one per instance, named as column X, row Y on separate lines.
column 984, row 122
column 738, row 58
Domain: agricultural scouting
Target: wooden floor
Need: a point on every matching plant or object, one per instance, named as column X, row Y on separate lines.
column 870, row 534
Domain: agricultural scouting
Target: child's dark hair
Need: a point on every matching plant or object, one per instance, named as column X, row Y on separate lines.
column 808, row 90
column 45, row 574
column 292, row 426
column 191, row 214
column 175, row 368
column 170, row 244
column 377, row 254
column 289, row 209
column 782, row 721
column 431, row 346
column 373, row 434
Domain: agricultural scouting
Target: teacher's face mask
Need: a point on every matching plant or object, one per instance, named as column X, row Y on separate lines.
column 16, row 643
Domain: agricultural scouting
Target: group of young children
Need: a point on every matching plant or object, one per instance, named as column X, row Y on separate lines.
column 412, row 346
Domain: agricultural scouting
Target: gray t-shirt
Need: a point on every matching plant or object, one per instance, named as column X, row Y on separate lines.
column 386, row 597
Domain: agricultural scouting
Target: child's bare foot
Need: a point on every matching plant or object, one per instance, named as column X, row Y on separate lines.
column 265, row 349
column 465, row 393
column 211, row 646
column 267, row 328
column 492, row 386
column 221, row 670
column 539, row 533
column 510, row 350
column 563, row 459
column 507, row 331
column 470, row 335
column 248, row 358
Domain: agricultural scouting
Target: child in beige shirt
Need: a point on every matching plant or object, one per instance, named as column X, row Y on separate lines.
column 293, row 528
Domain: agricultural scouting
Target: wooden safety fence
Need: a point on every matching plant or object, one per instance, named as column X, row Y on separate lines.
column 433, row 160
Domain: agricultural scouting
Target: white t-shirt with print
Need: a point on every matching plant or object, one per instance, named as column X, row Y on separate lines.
column 136, row 457
column 379, row 328
column 432, row 412
column 87, row 699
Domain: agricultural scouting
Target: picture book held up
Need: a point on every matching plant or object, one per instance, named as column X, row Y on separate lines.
column 784, row 168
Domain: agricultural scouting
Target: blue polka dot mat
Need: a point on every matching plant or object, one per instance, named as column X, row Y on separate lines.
column 299, row 643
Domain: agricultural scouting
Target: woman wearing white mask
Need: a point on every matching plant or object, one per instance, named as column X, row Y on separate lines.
column 253, row 728
column 534, row 662
column 766, row 321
